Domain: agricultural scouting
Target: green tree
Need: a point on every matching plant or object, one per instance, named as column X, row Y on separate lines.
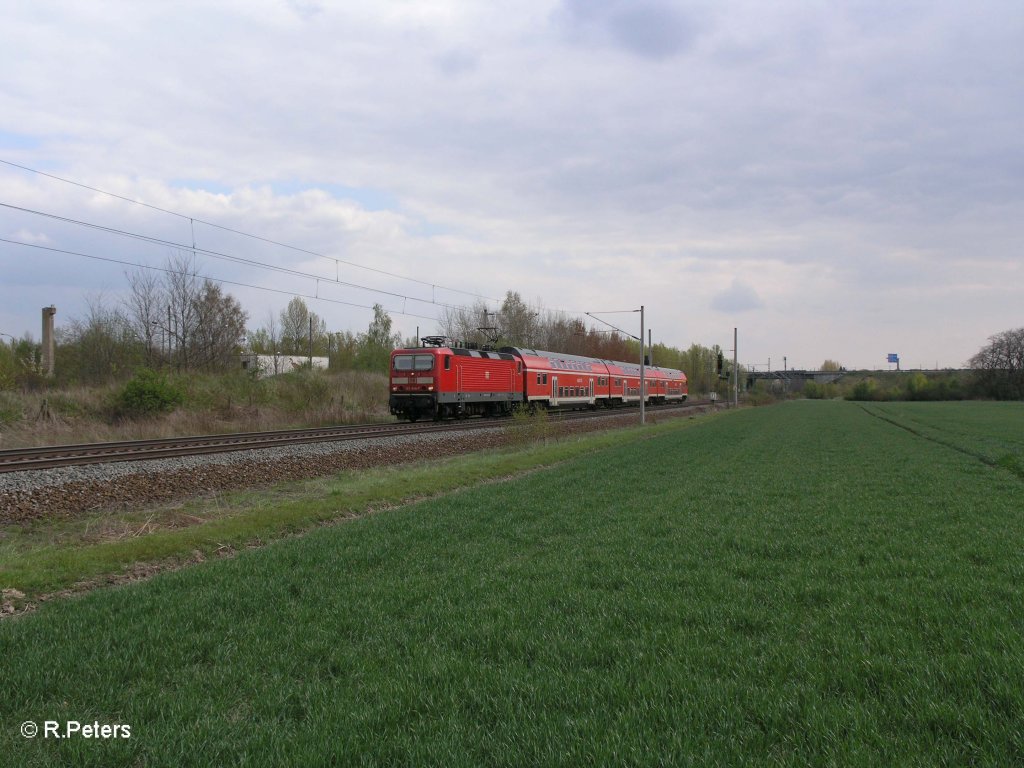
column 219, row 328
column 295, row 330
column 344, row 350
column 376, row 344
column 517, row 322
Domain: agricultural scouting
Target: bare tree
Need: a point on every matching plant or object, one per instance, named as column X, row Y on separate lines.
column 100, row 346
column 203, row 325
column 145, row 307
column 463, row 324
column 183, row 288
column 999, row 366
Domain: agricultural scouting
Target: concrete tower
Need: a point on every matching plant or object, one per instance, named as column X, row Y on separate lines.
column 48, row 346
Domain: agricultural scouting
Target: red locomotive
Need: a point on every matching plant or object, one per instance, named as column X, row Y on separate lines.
column 444, row 382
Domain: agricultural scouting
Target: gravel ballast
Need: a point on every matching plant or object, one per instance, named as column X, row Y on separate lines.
column 67, row 491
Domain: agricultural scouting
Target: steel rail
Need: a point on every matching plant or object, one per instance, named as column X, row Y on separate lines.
column 53, row 456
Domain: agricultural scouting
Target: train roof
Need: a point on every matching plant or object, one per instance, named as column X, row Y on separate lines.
column 623, row 368
column 558, row 360
column 459, row 351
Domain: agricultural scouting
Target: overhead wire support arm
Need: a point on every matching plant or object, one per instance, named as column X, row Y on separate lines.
column 643, row 377
column 613, row 327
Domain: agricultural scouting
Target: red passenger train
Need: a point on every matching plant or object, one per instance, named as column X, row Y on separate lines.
column 445, row 382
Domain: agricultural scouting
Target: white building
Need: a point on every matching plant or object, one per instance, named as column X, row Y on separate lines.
column 271, row 365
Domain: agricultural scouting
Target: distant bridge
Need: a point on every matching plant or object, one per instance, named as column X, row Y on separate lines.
column 792, row 381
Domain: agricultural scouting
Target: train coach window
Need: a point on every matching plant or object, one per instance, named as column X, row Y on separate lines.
column 545, row 379
column 414, row 362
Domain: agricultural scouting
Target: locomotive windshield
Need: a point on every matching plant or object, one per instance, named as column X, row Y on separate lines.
column 414, row 362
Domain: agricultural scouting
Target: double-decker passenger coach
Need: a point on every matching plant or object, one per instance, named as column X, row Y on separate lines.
column 439, row 381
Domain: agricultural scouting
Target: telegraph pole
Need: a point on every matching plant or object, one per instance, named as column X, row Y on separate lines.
column 643, row 373
column 643, row 417
column 735, row 370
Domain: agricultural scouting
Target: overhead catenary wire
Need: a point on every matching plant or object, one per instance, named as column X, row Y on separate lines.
column 205, row 277
column 433, row 285
column 219, row 255
column 243, row 233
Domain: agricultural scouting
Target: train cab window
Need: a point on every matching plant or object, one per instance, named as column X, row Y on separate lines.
column 414, row 362
column 447, row 362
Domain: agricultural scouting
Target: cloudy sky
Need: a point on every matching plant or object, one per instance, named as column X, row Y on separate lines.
column 836, row 179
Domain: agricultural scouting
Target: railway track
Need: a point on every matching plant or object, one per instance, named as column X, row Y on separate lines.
column 52, row 456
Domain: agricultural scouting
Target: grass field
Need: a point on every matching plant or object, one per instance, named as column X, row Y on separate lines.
column 813, row 583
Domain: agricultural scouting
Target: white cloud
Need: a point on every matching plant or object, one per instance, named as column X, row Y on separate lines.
column 736, row 156
column 737, row 298
column 30, row 237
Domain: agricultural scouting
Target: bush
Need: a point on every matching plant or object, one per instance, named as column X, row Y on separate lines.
column 530, row 426
column 304, row 390
column 812, row 390
column 759, row 397
column 147, row 393
column 10, row 409
column 867, row 390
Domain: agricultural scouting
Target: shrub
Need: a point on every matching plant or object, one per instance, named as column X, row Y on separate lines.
column 759, row 397
column 530, row 426
column 10, row 409
column 147, row 393
column 304, row 390
column 866, row 390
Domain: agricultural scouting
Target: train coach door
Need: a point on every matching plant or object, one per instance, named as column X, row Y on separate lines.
column 554, row 390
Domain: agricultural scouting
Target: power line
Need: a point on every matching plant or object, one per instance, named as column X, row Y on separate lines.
column 239, row 259
column 245, row 234
column 207, row 277
column 219, row 255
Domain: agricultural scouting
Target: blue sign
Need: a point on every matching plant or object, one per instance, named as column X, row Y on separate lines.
column 893, row 357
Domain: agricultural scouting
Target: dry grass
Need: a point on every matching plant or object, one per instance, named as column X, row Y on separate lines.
column 213, row 404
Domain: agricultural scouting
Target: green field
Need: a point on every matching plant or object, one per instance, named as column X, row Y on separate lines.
column 816, row 583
